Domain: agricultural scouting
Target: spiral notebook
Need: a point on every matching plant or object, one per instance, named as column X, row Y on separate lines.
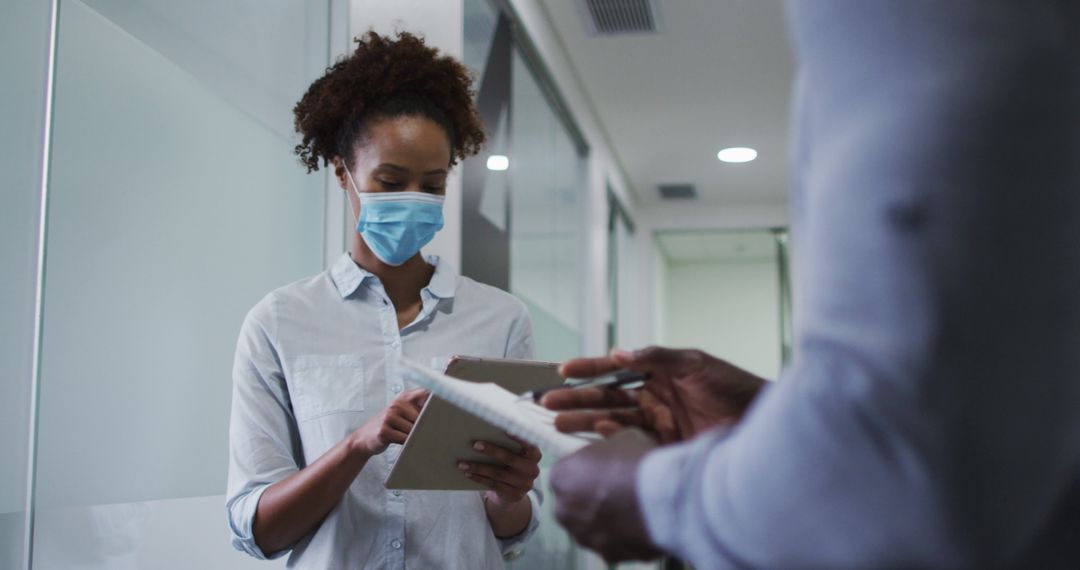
column 500, row 407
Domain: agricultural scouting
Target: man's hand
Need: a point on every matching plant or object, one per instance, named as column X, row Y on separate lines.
column 595, row 498
column 688, row 392
column 392, row 425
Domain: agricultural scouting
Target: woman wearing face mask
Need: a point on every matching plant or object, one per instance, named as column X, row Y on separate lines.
column 319, row 404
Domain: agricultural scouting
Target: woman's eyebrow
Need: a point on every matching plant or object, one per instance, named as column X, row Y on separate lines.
column 402, row 169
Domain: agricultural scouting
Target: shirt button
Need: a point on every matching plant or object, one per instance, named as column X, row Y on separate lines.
column 396, row 389
column 397, row 493
column 396, row 544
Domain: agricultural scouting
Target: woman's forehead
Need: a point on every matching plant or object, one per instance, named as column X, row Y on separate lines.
column 413, row 143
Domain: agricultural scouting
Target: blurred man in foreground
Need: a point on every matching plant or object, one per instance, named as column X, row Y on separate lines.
column 931, row 416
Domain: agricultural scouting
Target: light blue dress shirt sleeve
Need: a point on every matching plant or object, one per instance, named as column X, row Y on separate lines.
column 264, row 444
column 930, row 416
column 520, row 344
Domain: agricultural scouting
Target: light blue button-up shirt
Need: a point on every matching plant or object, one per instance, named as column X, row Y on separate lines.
column 317, row 359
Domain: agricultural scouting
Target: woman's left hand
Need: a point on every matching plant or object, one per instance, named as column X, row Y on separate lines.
column 511, row 478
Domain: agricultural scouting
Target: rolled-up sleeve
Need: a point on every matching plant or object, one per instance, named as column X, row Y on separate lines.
column 263, row 443
column 514, row 546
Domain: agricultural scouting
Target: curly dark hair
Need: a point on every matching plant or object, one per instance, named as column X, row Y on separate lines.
column 386, row 78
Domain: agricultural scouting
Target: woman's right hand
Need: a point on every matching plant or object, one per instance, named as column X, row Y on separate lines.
column 392, row 425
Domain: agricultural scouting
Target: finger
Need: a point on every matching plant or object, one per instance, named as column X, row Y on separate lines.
column 498, row 486
column 416, row 396
column 393, row 436
column 587, row 367
column 659, row 417
column 399, row 423
column 607, row 428
column 649, row 357
column 407, row 412
column 569, row 422
column 601, row 397
column 508, row 458
column 496, row 473
column 528, row 450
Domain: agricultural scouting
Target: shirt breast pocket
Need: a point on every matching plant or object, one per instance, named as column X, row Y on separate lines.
column 326, row 384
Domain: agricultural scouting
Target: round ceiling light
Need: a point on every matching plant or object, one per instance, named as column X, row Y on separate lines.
column 498, row 162
column 737, row 154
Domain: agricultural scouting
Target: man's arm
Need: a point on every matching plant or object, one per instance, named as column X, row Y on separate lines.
column 930, row 415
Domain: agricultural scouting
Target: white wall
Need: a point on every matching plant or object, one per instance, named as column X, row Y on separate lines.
column 729, row 309
column 688, row 216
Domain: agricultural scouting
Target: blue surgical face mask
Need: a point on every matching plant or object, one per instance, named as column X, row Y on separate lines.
column 395, row 225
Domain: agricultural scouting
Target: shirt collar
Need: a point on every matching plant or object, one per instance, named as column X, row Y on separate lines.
column 348, row 276
column 444, row 281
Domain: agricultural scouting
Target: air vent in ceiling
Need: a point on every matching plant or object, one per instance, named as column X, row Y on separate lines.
column 618, row 17
column 677, row 191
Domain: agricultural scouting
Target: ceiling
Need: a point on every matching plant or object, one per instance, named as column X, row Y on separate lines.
column 718, row 73
column 714, row 246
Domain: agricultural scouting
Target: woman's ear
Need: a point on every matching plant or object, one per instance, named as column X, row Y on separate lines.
column 339, row 173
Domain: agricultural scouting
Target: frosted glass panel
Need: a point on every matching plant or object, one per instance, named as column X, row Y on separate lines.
column 536, row 206
column 24, row 26
column 547, row 189
column 547, row 193
column 479, row 27
column 172, row 534
column 254, row 54
column 175, row 206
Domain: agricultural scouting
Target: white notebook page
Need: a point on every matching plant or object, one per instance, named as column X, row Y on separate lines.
column 500, row 407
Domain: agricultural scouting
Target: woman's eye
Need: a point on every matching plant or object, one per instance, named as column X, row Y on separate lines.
column 390, row 184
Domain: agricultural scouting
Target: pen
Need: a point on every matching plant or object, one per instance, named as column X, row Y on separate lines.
column 617, row 379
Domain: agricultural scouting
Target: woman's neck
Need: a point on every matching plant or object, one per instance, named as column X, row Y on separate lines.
column 402, row 283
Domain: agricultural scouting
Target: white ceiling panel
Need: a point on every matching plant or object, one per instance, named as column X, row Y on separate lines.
column 718, row 73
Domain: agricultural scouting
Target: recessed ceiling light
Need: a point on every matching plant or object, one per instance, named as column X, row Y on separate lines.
column 737, row 154
column 498, row 162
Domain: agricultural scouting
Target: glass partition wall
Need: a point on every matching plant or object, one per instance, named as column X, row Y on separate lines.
column 523, row 209
column 24, row 48
column 174, row 204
